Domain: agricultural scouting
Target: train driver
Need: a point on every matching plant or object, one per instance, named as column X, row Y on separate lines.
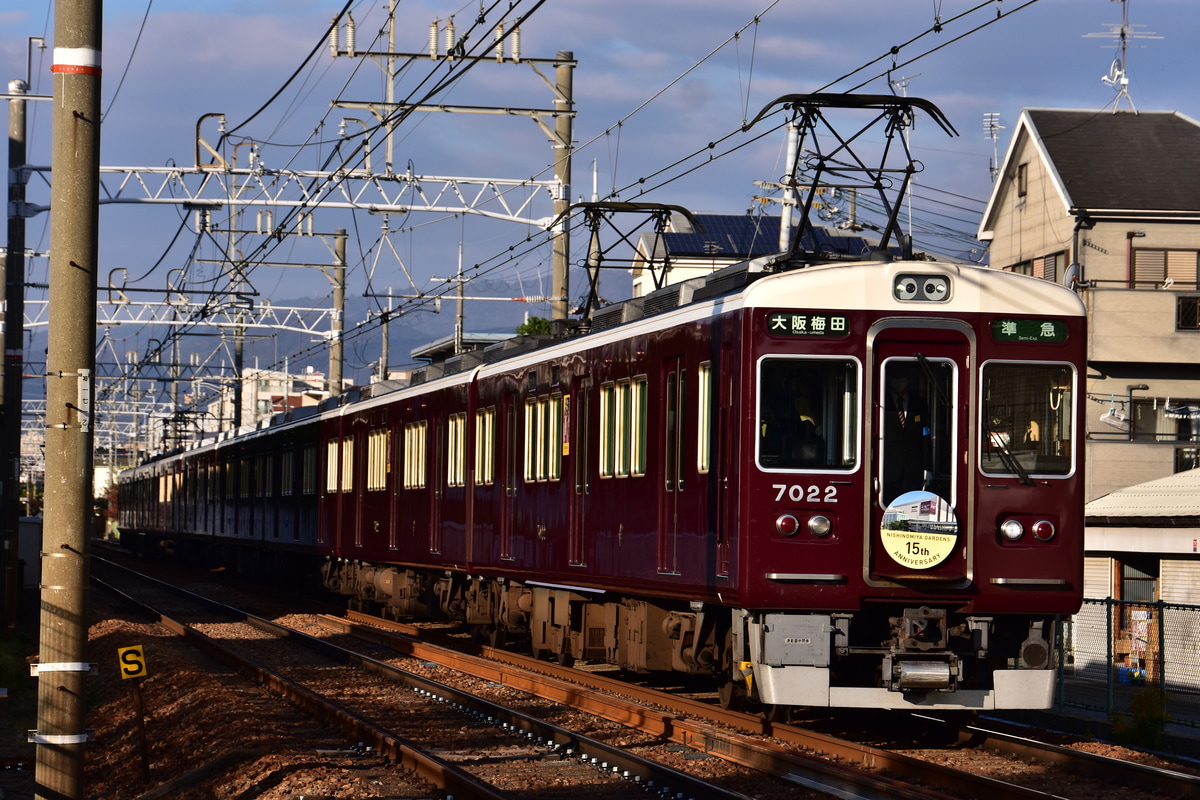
column 907, row 448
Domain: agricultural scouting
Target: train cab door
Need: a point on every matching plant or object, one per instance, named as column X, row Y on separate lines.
column 578, row 438
column 920, row 523
column 674, row 383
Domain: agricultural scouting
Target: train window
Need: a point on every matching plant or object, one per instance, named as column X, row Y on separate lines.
column 379, row 447
column 332, row 448
column 348, row 464
column 623, row 412
column 638, row 413
column 1027, row 421
column 531, row 433
column 309, row 479
column 808, row 414
column 543, row 435
column 244, row 475
column 287, row 472
column 607, row 425
column 456, row 464
column 554, row 437
column 414, row 454
column 485, row 446
column 704, row 417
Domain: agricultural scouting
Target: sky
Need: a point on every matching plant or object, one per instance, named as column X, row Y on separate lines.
column 656, row 82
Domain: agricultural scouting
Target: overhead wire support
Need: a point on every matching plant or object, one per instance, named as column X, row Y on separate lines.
column 596, row 214
column 896, row 114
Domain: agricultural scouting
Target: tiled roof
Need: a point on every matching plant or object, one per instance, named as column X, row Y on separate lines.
column 728, row 235
column 1175, row 496
column 743, row 236
column 1144, row 161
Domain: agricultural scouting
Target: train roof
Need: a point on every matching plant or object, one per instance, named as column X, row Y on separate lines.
column 766, row 281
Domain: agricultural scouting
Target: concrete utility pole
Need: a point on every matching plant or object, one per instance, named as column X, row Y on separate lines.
column 560, row 283
column 70, row 363
column 339, row 312
column 14, row 362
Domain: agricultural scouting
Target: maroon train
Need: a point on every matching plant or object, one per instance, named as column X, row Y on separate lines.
column 715, row 479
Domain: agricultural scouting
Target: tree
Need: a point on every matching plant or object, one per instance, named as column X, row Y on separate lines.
column 533, row 325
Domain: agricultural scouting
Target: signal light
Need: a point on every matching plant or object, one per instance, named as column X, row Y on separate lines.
column 1044, row 530
column 787, row 525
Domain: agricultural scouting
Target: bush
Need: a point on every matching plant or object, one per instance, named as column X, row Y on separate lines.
column 1146, row 722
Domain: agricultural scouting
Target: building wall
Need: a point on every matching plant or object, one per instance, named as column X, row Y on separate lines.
column 1097, row 577
column 1116, row 465
column 1137, row 325
column 1033, row 225
column 1179, row 582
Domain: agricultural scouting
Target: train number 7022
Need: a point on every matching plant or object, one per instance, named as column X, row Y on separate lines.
column 798, row 492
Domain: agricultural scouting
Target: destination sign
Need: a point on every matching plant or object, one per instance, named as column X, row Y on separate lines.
column 1048, row 331
column 805, row 323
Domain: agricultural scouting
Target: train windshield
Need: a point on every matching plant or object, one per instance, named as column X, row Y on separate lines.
column 1027, row 419
column 808, row 413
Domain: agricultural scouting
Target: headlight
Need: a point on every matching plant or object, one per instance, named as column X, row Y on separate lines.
column 1012, row 529
column 820, row 525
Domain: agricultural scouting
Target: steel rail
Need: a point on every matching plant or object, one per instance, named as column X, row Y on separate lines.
column 405, row 753
column 557, row 739
column 561, row 684
column 1130, row 773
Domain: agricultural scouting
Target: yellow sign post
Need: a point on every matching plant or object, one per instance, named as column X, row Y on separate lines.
column 132, row 661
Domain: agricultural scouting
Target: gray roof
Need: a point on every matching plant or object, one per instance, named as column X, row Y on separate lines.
column 1170, row 500
column 741, row 236
column 1130, row 161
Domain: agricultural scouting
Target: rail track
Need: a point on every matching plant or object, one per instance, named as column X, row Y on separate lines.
column 701, row 726
column 469, row 747
column 801, row 759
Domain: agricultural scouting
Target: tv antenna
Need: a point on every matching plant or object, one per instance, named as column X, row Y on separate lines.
column 991, row 130
column 1118, row 76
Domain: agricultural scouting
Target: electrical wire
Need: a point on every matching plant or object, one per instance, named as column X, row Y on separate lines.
column 667, row 173
column 128, row 62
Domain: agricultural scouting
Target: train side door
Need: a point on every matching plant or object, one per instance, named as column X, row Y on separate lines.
column 437, row 481
column 674, row 383
column 724, row 437
column 511, row 469
column 921, row 521
column 580, row 455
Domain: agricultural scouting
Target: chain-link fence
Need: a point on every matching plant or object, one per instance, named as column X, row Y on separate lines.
column 1127, row 659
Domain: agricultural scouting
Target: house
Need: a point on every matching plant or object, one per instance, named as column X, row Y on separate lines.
column 1143, row 541
column 1108, row 203
column 1142, row 578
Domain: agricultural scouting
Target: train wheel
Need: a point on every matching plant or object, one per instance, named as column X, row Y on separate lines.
column 491, row 635
column 732, row 695
column 776, row 713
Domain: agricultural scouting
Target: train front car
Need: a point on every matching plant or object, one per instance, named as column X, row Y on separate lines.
column 911, row 512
